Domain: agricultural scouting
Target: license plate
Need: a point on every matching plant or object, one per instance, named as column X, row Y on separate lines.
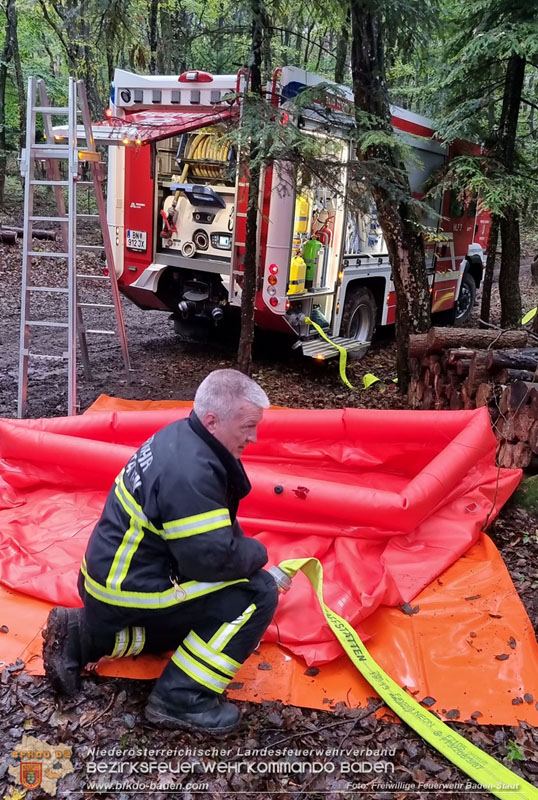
column 136, row 240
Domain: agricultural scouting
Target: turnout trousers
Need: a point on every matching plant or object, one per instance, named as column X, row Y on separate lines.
column 211, row 637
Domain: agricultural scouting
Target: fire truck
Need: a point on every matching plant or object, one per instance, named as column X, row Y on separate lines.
column 177, row 205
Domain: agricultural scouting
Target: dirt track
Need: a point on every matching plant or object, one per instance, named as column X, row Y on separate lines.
column 163, row 367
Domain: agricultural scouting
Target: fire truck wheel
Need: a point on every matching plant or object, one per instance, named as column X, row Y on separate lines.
column 359, row 318
column 466, row 298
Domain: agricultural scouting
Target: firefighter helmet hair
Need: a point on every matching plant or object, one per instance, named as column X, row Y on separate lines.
column 223, row 390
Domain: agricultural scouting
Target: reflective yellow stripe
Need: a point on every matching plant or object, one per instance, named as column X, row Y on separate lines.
column 130, row 506
column 170, row 597
column 209, row 655
column 199, row 523
column 220, row 639
column 132, row 537
column 199, row 672
column 120, row 645
column 481, row 767
column 124, row 554
column 138, row 640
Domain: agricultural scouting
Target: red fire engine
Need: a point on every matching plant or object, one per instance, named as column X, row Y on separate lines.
column 177, row 212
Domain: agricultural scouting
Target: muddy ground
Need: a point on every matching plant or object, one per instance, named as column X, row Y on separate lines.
column 109, row 712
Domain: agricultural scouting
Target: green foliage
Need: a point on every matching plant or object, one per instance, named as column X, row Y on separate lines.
column 527, row 494
column 485, row 177
column 514, row 752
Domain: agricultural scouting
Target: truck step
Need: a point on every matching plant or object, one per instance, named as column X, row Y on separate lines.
column 319, row 348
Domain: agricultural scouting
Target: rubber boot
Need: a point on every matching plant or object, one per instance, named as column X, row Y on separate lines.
column 177, row 701
column 193, row 712
column 62, row 651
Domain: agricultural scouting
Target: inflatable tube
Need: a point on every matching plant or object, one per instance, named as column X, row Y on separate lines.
column 385, row 500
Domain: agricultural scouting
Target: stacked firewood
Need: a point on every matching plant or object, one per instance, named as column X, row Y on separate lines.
column 8, row 234
column 455, row 369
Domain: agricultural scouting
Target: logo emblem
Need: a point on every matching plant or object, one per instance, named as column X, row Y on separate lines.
column 31, row 774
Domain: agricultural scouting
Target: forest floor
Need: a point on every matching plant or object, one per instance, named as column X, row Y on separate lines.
column 109, row 712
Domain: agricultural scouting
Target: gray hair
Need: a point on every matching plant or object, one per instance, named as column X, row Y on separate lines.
column 223, row 390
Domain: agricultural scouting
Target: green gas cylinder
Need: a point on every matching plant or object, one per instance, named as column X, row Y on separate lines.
column 310, row 255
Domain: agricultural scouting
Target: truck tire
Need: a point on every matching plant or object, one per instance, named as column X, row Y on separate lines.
column 359, row 318
column 466, row 298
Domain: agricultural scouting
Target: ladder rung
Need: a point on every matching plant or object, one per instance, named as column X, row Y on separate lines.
column 51, row 109
column 90, row 247
column 56, row 289
column 49, row 183
column 88, row 216
column 46, row 254
column 95, row 305
column 84, row 183
column 59, row 148
column 41, row 151
column 48, row 219
column 38, row 324
column 105, row 333
column 93, row 277
column 42, row 355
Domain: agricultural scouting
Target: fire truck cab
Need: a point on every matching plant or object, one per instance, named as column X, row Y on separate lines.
column 177, row 205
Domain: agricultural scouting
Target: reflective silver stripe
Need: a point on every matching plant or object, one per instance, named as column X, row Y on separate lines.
column 209, row 655
column 138, row 635
column 227, row 631
column 120, row 645
column 199, row 672
column 170, row 597
column 199, row 523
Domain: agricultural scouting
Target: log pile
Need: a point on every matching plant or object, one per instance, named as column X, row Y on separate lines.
column 9, row 234
column 463, row 369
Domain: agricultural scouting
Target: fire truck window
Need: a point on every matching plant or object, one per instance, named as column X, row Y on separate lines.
column 456, row 206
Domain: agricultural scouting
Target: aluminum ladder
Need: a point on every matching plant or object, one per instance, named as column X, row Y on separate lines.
column 74, row 154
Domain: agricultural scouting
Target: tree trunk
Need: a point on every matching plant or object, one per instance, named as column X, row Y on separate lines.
column 509, row 275
column 485, row 308
column 404, row 241
column 153, row 20
column 250, row 274
column 11, row 13
column 341, row 50
column 471, row 338
column 164, row 48
column 5, row 58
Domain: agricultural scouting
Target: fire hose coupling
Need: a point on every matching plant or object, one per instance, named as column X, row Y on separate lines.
column 282, row 579
column 186, row 308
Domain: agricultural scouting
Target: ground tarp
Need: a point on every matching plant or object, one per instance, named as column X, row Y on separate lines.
column 387, row 500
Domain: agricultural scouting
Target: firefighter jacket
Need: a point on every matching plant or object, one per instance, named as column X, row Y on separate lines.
column 168, row 532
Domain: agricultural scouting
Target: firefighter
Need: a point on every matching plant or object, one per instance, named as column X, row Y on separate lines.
column 168, row 566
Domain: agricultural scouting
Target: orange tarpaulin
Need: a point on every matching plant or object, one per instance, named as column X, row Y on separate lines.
column 386, row 533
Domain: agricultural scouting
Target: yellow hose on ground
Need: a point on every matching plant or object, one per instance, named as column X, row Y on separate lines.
column 490, row 774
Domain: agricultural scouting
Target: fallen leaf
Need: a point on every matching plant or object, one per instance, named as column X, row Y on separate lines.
column 428, row 701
